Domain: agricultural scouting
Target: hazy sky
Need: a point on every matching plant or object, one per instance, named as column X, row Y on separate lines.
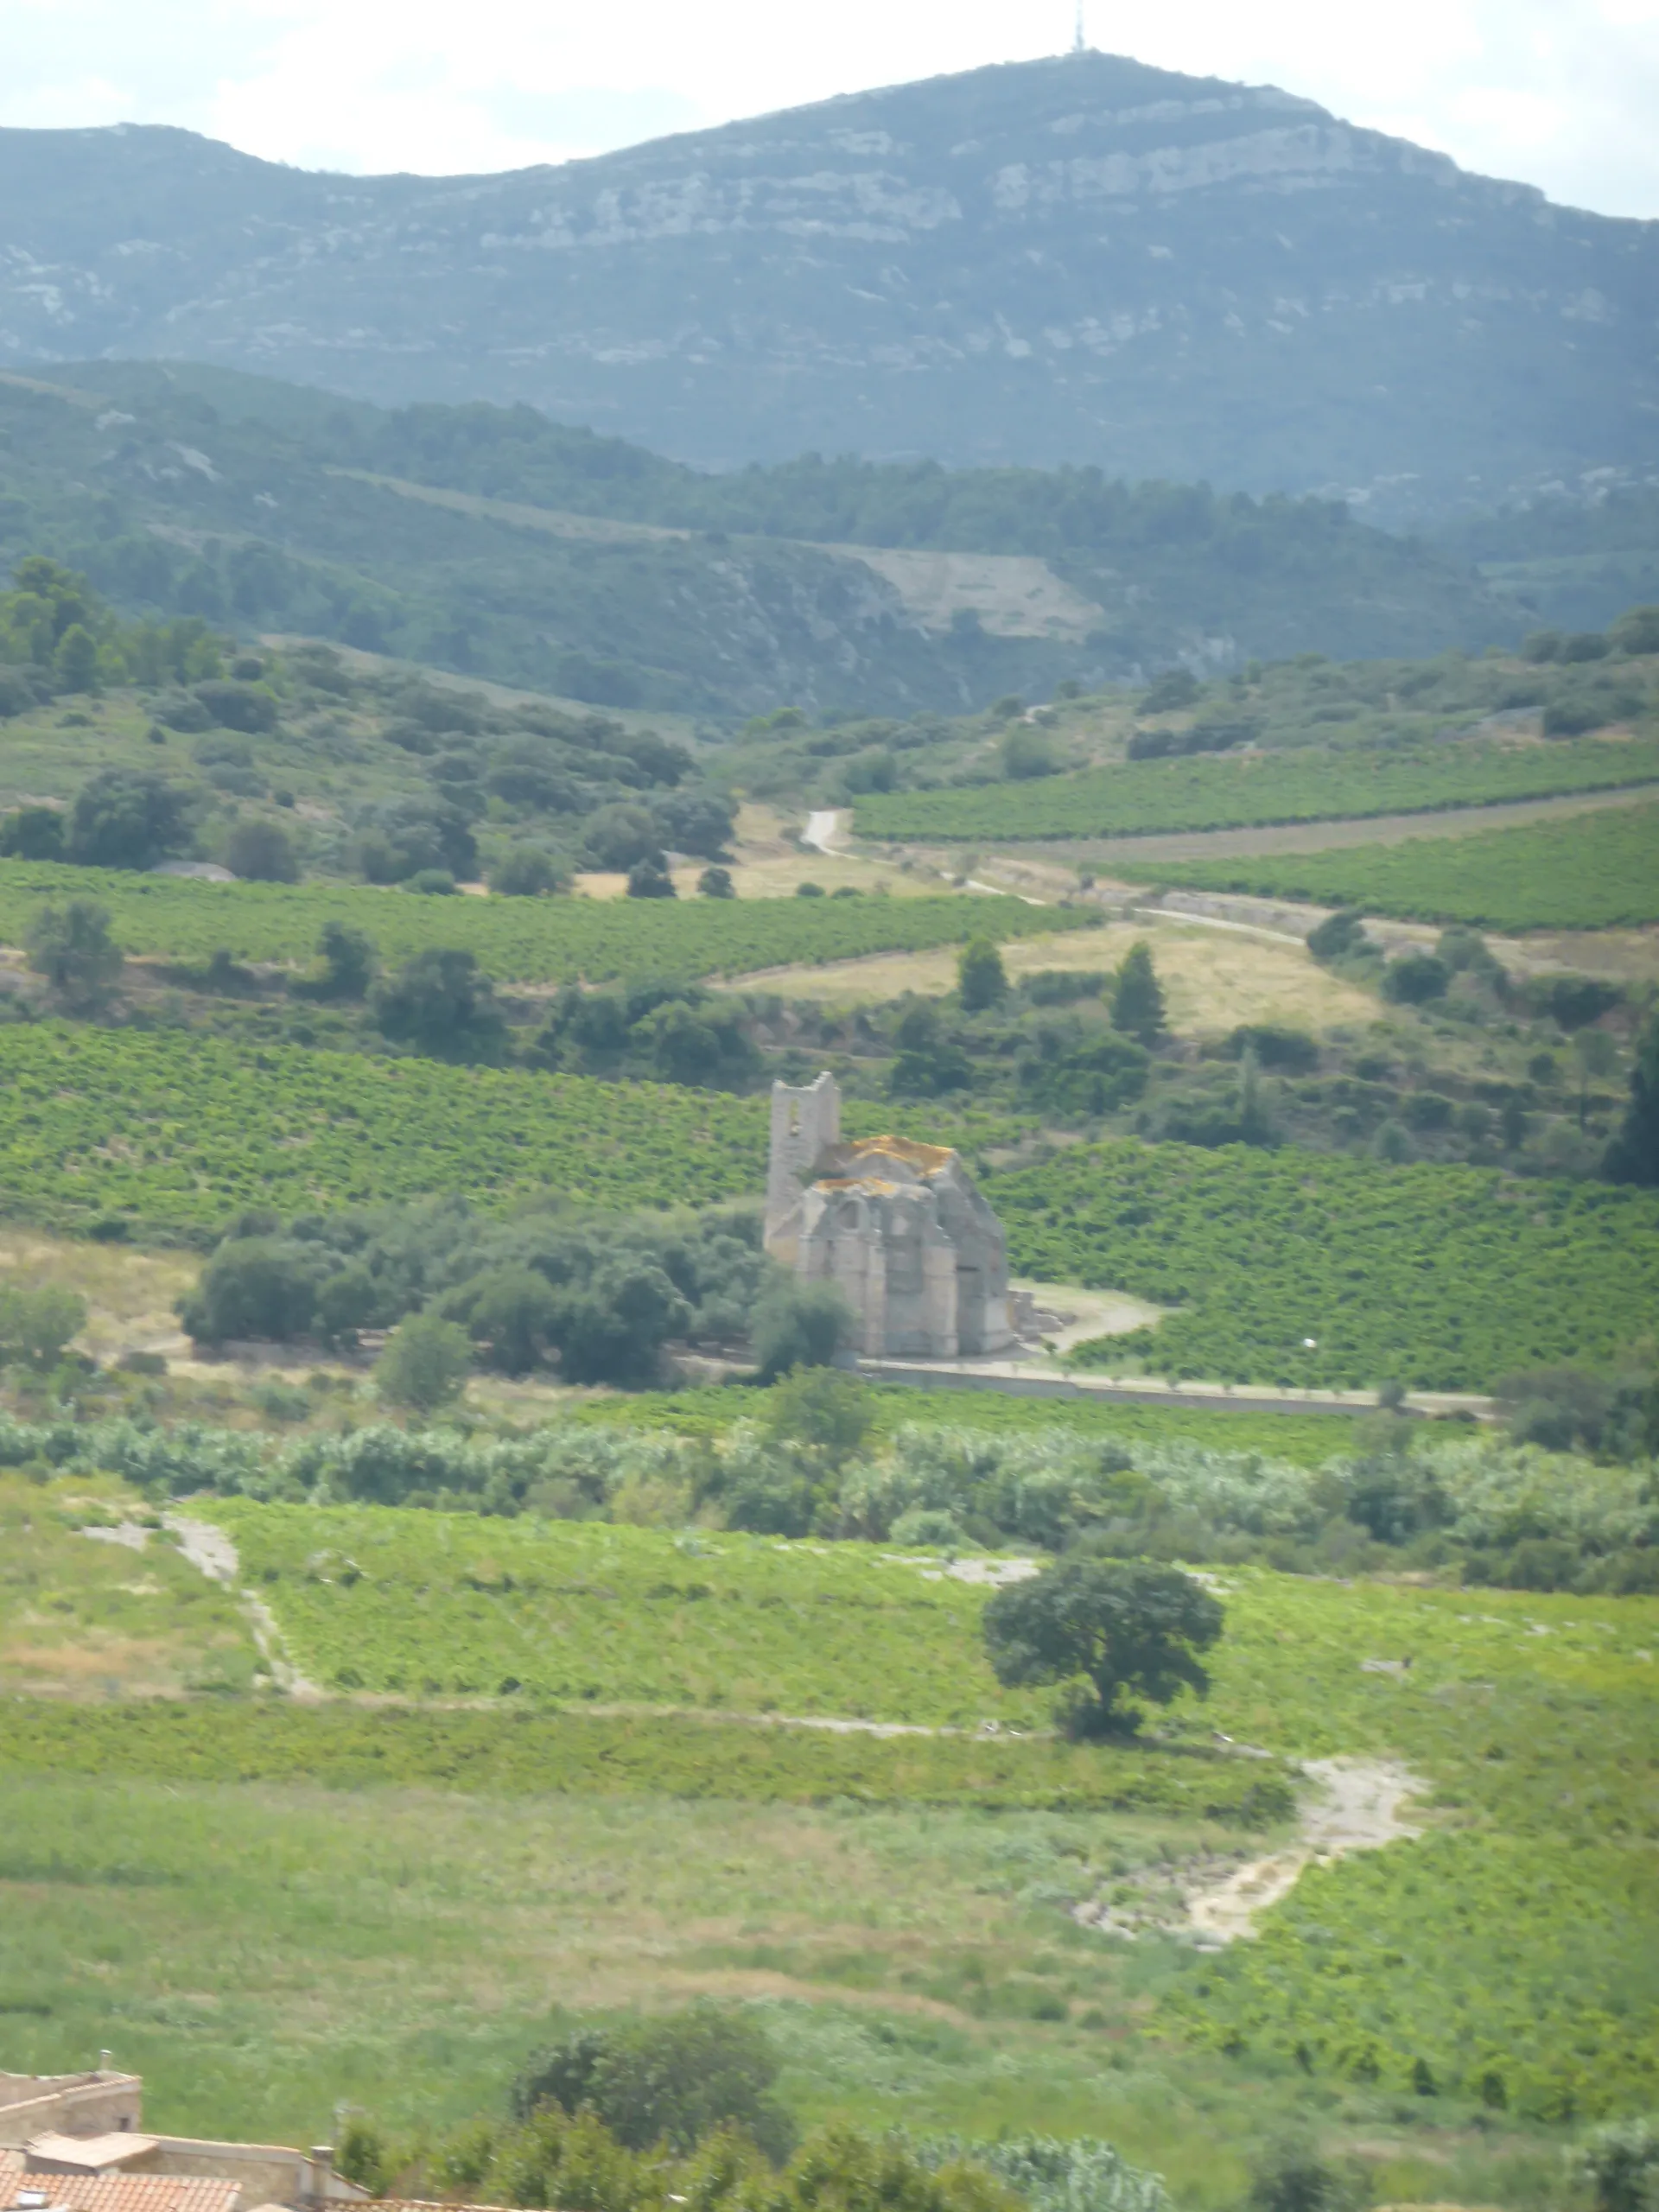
column 1562, row 94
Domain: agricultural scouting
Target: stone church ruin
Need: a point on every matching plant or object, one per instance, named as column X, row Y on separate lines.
column 899, row 1227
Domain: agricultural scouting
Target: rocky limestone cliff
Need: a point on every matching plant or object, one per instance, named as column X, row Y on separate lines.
column 1079, row 260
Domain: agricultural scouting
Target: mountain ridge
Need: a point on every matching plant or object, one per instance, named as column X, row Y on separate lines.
column 1082, row 259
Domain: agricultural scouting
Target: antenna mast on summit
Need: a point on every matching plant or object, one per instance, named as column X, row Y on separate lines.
column 1079, row 44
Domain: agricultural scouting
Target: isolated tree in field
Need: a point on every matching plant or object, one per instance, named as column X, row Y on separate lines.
column 1633, row 1155
column 72, row 947
column 262, row 852
column 717, row 883
column 650, row 879
column 1127, row 1628
column 1415, row 978
column 1138, row 997
column 982, row 980
column 1338, row 935
column 424, row 1364
column 1027, row 752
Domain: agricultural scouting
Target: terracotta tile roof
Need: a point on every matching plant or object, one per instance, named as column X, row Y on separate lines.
column 112, row 2192
column 427, row 2204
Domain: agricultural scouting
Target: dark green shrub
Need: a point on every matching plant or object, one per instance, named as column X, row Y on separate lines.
column 1415, row 978
column 128, row 818
column 805, row 1325
column 1338, row 935
column 262, row 852
column 257, row 1286
column 982, row 980
column 34, row 833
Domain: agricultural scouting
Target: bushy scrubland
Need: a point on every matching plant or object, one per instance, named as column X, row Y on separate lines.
column 1480, row 1508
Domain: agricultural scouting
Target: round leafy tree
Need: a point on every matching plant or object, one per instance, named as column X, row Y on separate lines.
column 1124, row 1627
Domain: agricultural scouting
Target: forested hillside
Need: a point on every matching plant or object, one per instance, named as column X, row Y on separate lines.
column 569, row 563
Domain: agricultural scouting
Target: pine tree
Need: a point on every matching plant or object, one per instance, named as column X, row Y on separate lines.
column 982, row 980
column 1633, row 1155
column 1138, row 997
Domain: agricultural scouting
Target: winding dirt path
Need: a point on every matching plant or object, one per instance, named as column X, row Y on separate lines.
column 210, row 1552
column 1358, row 1809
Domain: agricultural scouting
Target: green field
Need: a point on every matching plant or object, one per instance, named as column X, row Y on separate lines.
column 516, row 940
column 1207, row 791
column 1520, row 1937
column 529, row 1754
column 181, row 1131
column 1442, row 1277
column 242, row 1896
column 1305, row 1440
column 1586, row 872
column 177, row 1132
column 416, row 1604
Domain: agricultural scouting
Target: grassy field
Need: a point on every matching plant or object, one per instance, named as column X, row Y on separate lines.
column 80, row 1618
column 262, row 1951
column 382, row 1599
column 1584, row 872
column 516, row 940
column 1211, row 980
column 575, row 1755
column 1208, row 792
column 1292, row 1267
column 268, row 1907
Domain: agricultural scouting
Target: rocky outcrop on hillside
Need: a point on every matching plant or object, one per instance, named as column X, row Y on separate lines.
column 1079, row 260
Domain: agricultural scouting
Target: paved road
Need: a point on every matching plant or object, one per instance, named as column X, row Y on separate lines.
column 1029, row 1379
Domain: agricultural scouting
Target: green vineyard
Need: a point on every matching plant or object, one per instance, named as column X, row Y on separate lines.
column 180, row 1132
column 1584, row 872
column 1501, row 1956
column 516, row 940
column 177, row 1132
column 1323, row 1270
column 1205, row 791
column 1444, row 1277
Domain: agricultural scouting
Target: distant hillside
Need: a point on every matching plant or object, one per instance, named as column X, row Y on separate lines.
column 1078, row 260
column 1567, row 563
column 498, row 544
